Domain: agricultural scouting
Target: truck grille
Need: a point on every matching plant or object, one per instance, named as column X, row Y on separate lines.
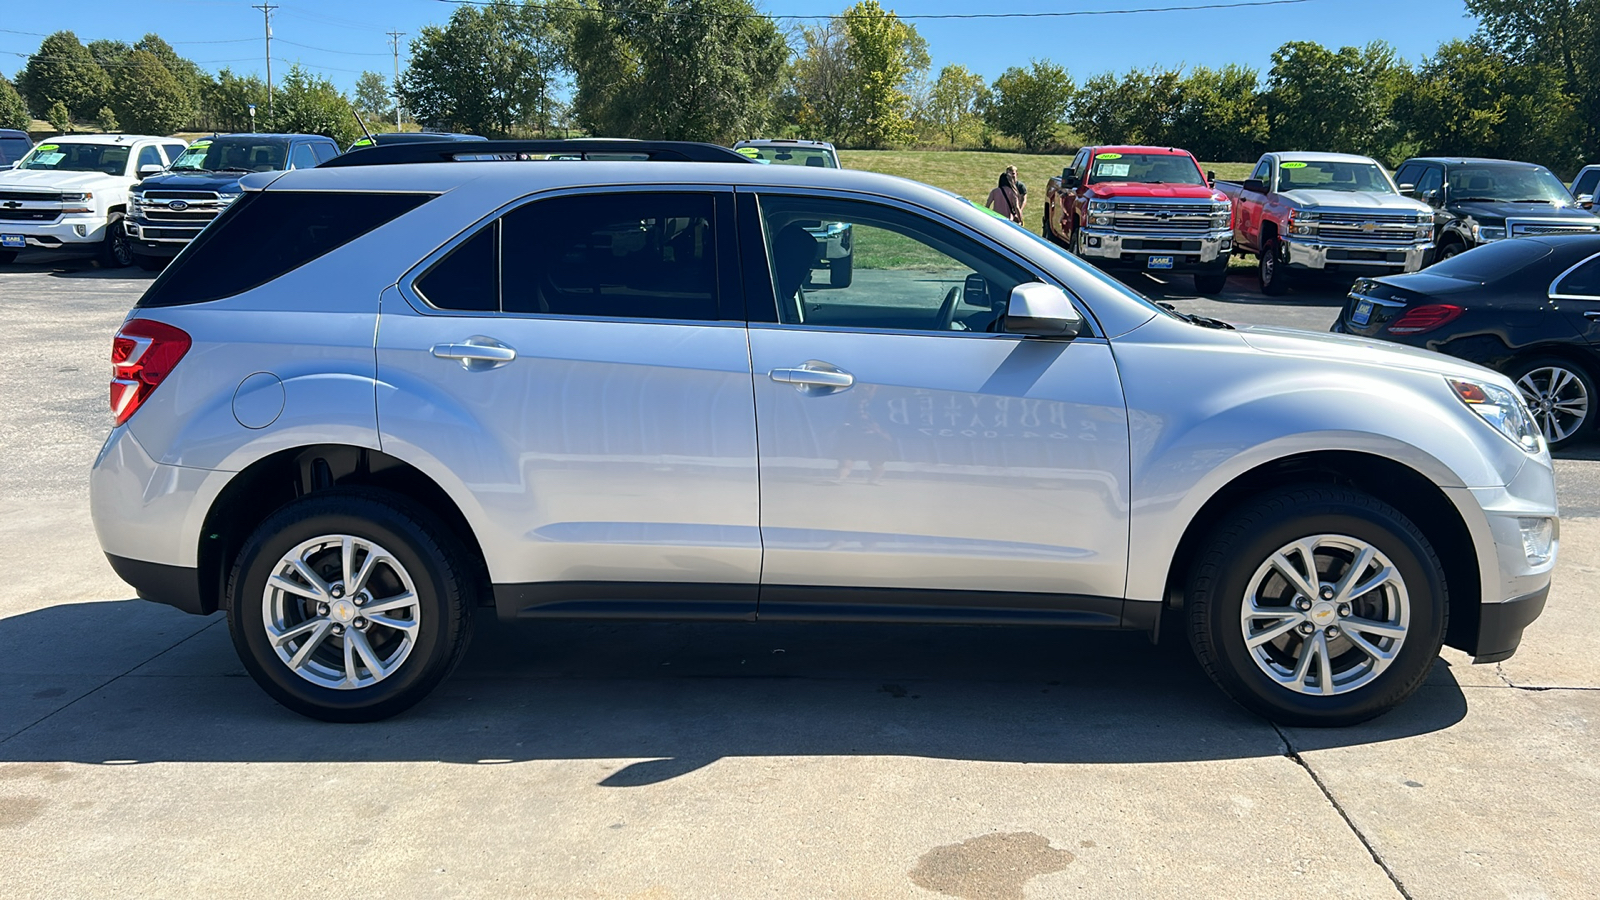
column 31, row 196
column 199, row 207
column 29, row 215
column 1154, row 218
column 1363, row 229
column 1525, row 227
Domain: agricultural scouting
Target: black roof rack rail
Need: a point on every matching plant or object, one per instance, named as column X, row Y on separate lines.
column 581, row 148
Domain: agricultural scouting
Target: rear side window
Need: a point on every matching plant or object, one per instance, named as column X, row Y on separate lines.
column 1586, row 182
column 1584, row 281
column 302, row 158
column 324, row 151
column 267, row 234
column 13, row 149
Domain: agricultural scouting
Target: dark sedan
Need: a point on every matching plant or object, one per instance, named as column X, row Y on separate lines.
column 1529, row 308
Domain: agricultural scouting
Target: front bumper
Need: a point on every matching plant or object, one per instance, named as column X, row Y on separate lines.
column 66, row 233
column 1339, row 255
column 1189, row 251
column 159, row 239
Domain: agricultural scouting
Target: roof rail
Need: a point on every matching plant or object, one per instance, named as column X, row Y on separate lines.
column 581, row 148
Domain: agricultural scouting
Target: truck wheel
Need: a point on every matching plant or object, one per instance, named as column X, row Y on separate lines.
column 350, row 605
column 115, row 250
column 1274, row 272
column 1210, row 283
column 1451, row 250
column 1317, row 606
column 1048, row 232
column 149, row 263
column 841, row 271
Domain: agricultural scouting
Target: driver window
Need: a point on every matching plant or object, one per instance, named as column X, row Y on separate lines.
column 1430, row 180
column 848, row 264
column 1263, row 173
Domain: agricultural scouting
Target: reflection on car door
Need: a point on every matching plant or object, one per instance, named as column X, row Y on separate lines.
column 1577, row 295
column 910, row 449
column 582, row 363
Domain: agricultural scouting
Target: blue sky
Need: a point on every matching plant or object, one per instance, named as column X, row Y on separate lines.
column 340, row 38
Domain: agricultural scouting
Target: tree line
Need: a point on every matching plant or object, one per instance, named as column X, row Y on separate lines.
column 1526, row 85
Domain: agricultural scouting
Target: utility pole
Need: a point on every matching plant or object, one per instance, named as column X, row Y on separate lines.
column 266, row 21
column 394, row 41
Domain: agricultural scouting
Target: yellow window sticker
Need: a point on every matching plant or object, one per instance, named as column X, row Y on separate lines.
column 364, row 142
column 1293, row 166
column 1108, row 156
column 45, row 148
column 199, row 145
column 750, row 152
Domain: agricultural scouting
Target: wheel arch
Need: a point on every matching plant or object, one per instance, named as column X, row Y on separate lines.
column 264, row 486
column 1399, row 485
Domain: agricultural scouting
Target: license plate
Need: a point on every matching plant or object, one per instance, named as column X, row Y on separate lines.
column 1363, row 313
column 1159, row 262
column 13, row 241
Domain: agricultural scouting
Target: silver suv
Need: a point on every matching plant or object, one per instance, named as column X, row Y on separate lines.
column 603, row 389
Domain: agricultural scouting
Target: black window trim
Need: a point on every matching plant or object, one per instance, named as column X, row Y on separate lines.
column 750, row 232
column 731, row 300
column 1568, row 271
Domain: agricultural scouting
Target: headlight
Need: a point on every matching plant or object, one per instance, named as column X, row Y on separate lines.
column 1303, row 223
column 1501, row 408
column 76, row 198
column 1424, row 232
column 1221, row 215
column 71, row 199
column 1099, row 206
column 224, row 199
column 1487, row 234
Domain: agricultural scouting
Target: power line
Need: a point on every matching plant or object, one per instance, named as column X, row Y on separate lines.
column 327, row 50
column 266, row 22
column 1238, row 4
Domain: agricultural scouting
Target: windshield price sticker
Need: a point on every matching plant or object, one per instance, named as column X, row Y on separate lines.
column 1293, row 166
column 48, row 159
column 1108, row 156
column 1112, row 170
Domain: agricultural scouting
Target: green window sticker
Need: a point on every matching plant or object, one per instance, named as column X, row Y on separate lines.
column 749, row 152
column 1293, row 166
column 45, row 148
column 199, row 145
column 1108, row 156
column 364, row 142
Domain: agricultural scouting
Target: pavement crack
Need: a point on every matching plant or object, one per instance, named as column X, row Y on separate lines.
column 1500, row 673
column 1294, row 755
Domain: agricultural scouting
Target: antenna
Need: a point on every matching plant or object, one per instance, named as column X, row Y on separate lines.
column 362, row 122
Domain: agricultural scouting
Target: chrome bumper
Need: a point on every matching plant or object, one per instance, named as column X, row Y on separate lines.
column 1314, row 254
column 1111, row 245
column 53, row 235
column 159, row 233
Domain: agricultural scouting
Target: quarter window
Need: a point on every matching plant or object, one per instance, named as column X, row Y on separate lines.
column 847, row 264
column 1584, row 281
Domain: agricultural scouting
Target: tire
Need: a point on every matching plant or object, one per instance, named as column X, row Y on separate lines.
column 1561, row 396
column 1274, row 274
column 422, row 559
column 1450, row 250
column 841, row 271
column 149, row 263
column 1210, row 283
column 115, row 251
column 1338, row 524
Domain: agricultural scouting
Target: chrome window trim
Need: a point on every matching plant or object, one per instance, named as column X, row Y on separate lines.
column 985, row 335
column 406, row 284
column 1569, row 270
column 959, row 227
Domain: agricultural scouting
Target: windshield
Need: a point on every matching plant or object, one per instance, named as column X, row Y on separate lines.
column 1144, row 168
column 111, row 159
column 232, row 154
column 1586, row 182
column 1510, row 184
column 817, row 157
column 1334, row 175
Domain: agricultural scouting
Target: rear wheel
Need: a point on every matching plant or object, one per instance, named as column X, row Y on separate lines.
column 1561, row 397
column 1273, row 270
column 350, row 605
column 1317, row 606
column 115, row 250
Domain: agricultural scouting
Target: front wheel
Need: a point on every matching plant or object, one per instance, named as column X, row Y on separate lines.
column 1318, row 606
column 115, row 251
column 1273, row 270
column 1561, row 397
column 350, row 605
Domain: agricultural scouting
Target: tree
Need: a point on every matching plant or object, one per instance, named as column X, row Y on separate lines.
column 106, row 121
column 675, row 69
column 1332, row 100
column 884, row 52
column 191, row 79
column 821, row 79
column 109, row 54
column 373, row 99
column 59, row 117
column 1222, row 114
column 1563, row 36
column 228, row 100
column 954, row 101
column 63, row 70
column 1029, row 104
column 146, row 98
column 13, row 111
column 309, row 104
column 490, row 70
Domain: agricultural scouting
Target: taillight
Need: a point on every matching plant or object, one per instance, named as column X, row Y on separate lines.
column 1425, row 318
column 143, row 354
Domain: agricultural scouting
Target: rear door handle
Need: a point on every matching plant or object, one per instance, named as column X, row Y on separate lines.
column 477, row 353
column 814, row 374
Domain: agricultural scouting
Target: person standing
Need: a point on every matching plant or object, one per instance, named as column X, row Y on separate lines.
column 1022, row 189
column 1005, row 199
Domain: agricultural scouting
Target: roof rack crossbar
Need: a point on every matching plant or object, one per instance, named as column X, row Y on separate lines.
column 583, row 148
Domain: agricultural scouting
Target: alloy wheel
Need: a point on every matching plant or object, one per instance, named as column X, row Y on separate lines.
column 1558, row 399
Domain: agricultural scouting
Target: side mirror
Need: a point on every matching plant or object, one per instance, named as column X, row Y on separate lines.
column 1069, row 177
column 1211, row 178
column 1042, row 310
column 975, row 292
column 1254, row 185
column 1430, row 197
column 152, row 169
column 1584, row 200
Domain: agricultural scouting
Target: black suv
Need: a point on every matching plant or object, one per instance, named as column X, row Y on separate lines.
column 166, row 211
column 1477, row 201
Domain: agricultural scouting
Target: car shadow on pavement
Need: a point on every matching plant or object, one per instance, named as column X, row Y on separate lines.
column 1242, row 290
column 660, row 700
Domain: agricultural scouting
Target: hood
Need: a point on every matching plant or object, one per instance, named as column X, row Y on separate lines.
column 1322, row 345
column 57, row 181
column 194, row 181
column 1495, row 212
column 1334, row 201
column 1123, row 190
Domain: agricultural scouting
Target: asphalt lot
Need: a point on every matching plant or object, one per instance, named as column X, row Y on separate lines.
column 782, row 761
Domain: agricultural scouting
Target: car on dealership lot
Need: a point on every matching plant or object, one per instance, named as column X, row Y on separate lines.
column 14, row 145
column 1584, row 185
column 1326, row 213
column 166, row 211
column 1529, row 308
column 1478, row 201
column 603, row 390
column 71, row 193
column 833, row 238
column 1142, row 209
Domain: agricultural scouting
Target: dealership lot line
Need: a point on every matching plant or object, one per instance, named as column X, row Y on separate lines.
column 659, row 760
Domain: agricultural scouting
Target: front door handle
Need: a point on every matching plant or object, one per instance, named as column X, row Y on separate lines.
column 814, row 377
column 477, row 353
column 1593, row 314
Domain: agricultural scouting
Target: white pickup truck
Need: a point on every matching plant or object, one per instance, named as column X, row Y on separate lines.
column 70, row 193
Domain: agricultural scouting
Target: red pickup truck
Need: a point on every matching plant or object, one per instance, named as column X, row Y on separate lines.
column 1145, row 208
